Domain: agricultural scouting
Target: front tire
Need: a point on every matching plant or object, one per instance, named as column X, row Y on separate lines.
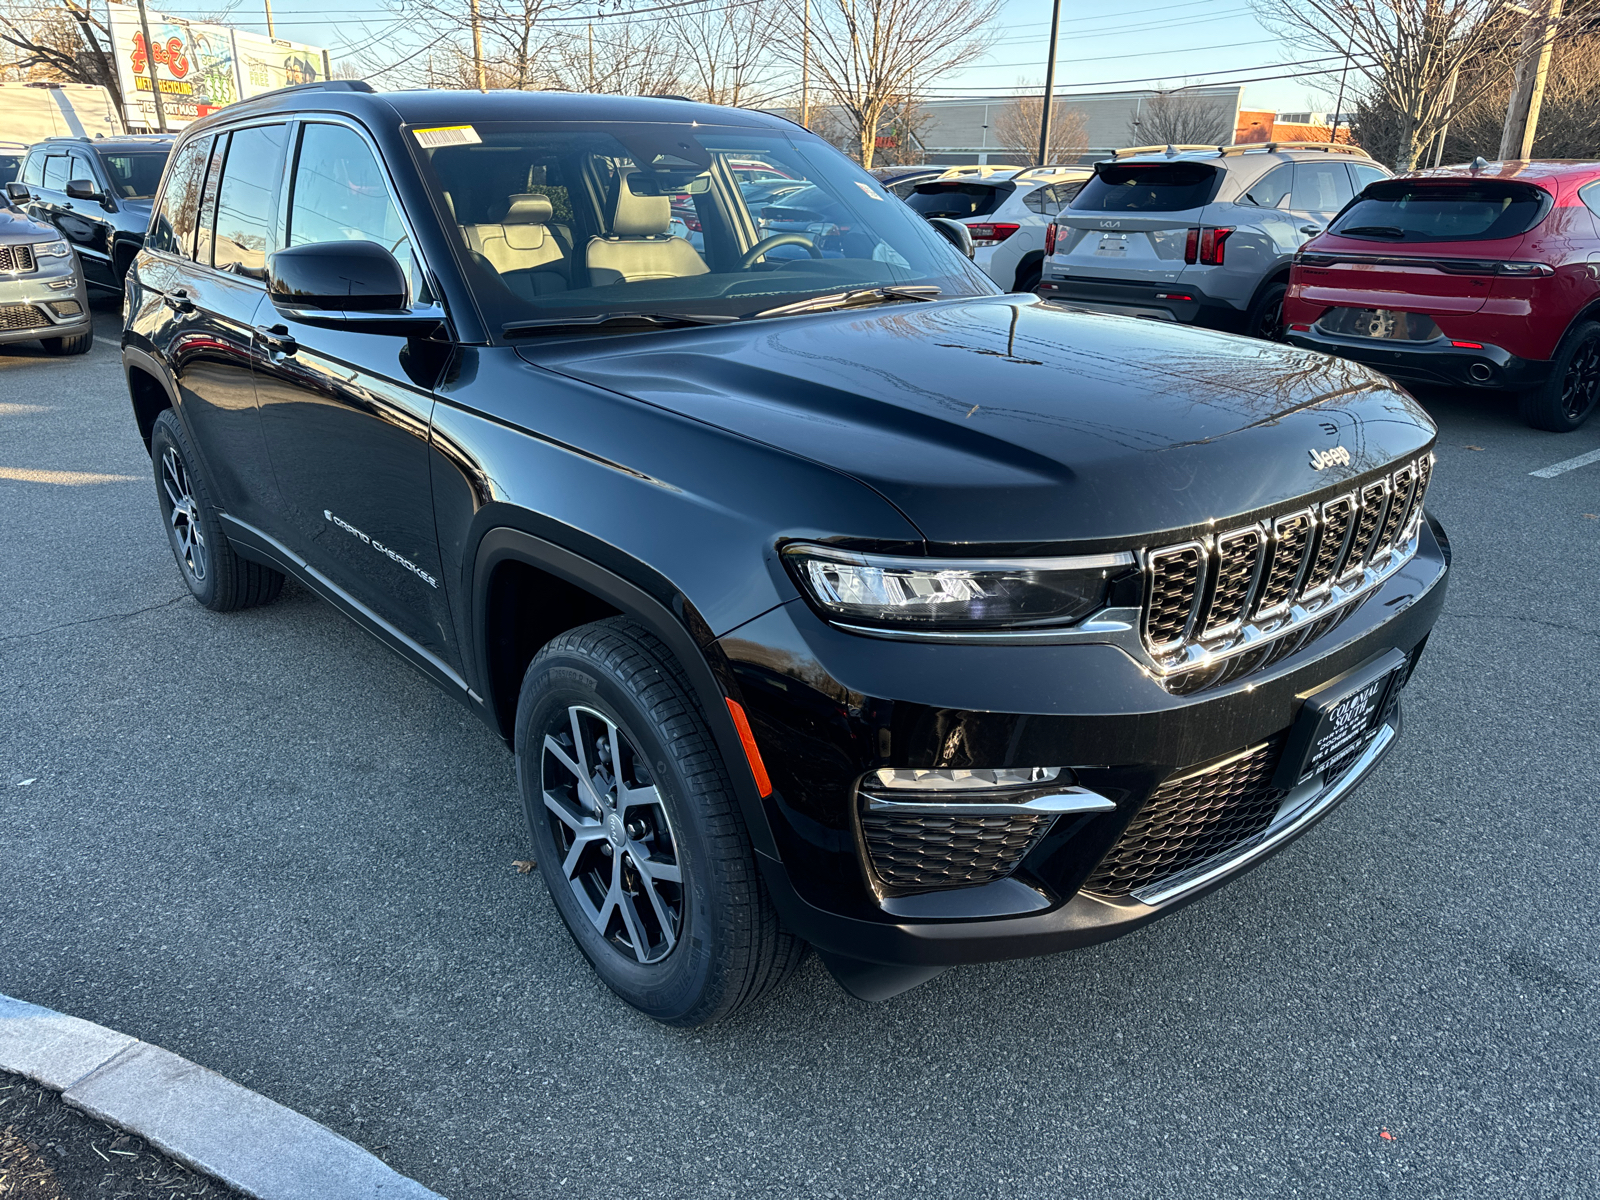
column 1568, row 398
column 217, row 577
column 638, row 834
column 78, row 343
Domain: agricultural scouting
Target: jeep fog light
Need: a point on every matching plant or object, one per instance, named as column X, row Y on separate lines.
column 961, row 593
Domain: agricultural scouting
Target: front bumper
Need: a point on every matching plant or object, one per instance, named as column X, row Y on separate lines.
column 827, row 706
column 52, row 293
column 1180, row 302
column 1435, row 362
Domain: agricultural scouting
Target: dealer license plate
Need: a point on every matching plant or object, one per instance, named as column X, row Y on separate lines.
column 1338, row 720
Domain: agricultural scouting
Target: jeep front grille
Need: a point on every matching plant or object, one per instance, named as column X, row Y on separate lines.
column 21, row 316
column 16, row 260
column 1214, row 598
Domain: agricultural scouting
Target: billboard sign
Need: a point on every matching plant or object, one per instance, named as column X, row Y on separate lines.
column 199, row 67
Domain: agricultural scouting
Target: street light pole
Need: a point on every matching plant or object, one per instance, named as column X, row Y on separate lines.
column 150, row 65
column 1527, row 89
column 1049, row 86
column 267, row 4
column 805, row 68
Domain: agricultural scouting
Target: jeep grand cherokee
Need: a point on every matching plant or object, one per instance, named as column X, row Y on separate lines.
column 834, row 601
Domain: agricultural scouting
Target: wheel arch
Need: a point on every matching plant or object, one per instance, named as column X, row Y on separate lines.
column 148, row 389
column 1025, row 267
column 513, row 567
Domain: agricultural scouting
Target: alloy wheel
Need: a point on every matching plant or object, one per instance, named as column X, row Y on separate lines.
column 1580, row 388
column 1269, row 325
column 184, row 515
column 619, row 852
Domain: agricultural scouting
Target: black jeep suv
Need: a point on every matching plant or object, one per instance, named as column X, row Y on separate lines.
column 825, row 595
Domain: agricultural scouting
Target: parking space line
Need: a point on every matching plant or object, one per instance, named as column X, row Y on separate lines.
column 1566, row 464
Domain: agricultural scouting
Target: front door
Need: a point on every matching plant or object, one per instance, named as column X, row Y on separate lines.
column 346, row 426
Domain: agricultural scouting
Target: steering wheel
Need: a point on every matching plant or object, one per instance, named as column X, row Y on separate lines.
column 753, row 255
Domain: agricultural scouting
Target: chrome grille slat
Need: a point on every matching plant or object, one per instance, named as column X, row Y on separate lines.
column 1209, row 601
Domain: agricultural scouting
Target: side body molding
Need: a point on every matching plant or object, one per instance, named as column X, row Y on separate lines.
column 502, row 544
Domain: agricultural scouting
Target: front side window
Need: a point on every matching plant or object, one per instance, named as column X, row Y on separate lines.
column 134, row 175
column 245, row 201
column 1366, row 174
column 57, row 170
column 1422, row 210
column 172, row 232
column 79, row 168
column 1148, row 187
column 552, row 221
column 340, row 195
column 33, row 172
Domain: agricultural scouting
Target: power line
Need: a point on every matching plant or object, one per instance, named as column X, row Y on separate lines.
column 1331, row 60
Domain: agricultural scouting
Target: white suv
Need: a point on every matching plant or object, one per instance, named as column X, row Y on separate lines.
column 1006, row 209
column 1199, row 234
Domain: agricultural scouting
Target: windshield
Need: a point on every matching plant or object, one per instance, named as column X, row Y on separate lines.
column 1148, row 187
column 958, row 200
column 134, row 175
column 1420, row 211
column 560, row 221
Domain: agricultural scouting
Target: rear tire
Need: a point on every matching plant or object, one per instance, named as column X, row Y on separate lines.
column 643, row 846
column 1568, row 397
column 1029, row 279
column 78, row 343
column 217, row 577
column 1265, row 319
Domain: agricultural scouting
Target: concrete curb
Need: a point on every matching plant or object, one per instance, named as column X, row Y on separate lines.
column 198, row 1117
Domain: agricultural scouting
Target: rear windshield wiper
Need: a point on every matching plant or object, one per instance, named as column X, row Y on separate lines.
column 1388, row 231
column 877, row 295
column 603, row 321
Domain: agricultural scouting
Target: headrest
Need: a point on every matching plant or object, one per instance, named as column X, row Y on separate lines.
column 531, row 209
column 639, row 216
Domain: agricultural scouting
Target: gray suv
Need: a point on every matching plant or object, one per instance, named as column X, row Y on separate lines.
column 1203, row 235
column 42, row 294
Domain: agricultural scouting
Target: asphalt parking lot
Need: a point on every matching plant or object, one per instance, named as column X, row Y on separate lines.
column 261, row 841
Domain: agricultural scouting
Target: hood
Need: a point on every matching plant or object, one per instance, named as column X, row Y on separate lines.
column 17, row 226
column 1007, row 421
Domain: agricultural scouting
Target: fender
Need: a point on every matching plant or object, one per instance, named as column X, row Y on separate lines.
column 504, row 543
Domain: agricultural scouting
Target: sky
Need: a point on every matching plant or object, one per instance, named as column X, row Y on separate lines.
column 1105, row 45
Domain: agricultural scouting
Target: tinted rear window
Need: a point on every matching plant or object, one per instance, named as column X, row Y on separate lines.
column 1148, row 187
column 1422, row 211
column 957, row 199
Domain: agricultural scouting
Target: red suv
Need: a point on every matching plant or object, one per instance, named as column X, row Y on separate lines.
column 1485, row 276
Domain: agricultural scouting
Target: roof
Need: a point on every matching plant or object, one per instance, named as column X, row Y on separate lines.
column 123, row 141
column 1191, row 153
column 1542, row 170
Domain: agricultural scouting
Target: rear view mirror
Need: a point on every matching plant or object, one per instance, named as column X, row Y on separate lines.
column 18, row 193
column 664, row 184
column 83, row 189
column 954, row 232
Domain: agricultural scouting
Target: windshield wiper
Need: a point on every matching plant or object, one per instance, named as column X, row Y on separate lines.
column 1388, row 231
column 877, row 295
column 603, row 321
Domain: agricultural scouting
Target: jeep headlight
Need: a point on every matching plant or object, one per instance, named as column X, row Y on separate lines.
column 930, row 593
column 56, row 249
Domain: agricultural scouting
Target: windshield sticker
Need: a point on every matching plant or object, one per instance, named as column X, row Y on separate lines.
column 382, row 549
column 447, row 135
column 868, row 190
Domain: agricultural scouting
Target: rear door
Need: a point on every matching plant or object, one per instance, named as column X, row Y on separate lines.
column 87, row 223
column 1131, row 221
column 1321, row 189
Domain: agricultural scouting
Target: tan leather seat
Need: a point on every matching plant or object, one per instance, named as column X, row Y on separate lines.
column 523, row 247
column 639, row 246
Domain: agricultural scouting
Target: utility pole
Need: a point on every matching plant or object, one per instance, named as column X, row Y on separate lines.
column 805, row 68
column 477, row 47
column 267, row 4
column 150, row 65
column 1527, row 88
column 1049, row 86
column 1338, row 105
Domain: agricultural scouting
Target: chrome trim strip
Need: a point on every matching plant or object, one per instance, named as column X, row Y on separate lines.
column 1067, row 800
column 1291, row 819
column 1075, row 562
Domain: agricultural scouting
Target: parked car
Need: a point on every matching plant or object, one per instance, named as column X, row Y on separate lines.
column 838, row 600
column 898, row 181
column 97, row 192
column 1007, row 211
column 1485, row 276
column 1200, row 235
column 42, row 294
column 11, row 156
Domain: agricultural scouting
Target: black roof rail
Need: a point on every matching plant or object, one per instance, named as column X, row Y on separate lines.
column 322, row 85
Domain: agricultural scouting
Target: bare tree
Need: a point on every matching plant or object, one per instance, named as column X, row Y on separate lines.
column 623, row 58
column 518, row 51
column 869, row 57
column 1017, row 128
column 57, row 41
column 1404, row 51
column 726, row 53
column 1180, row 117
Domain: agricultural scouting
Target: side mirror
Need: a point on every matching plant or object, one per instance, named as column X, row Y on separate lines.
column 83, row 189
column 348, row 285
column 954, row 232
column 18, row 193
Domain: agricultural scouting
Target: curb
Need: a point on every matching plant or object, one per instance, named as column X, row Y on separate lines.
column 198, row 1117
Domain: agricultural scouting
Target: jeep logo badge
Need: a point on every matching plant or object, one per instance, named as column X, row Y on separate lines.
column 1337, row 457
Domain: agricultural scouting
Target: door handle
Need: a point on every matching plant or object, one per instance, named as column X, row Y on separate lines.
column 278, row 339
column 1311, row 230
column 178, row 301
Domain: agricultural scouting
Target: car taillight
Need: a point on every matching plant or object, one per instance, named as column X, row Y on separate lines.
column 1191, row 245
column 1050, row 238
column 693, row 223
column 1211, row 245
column 991, row 235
